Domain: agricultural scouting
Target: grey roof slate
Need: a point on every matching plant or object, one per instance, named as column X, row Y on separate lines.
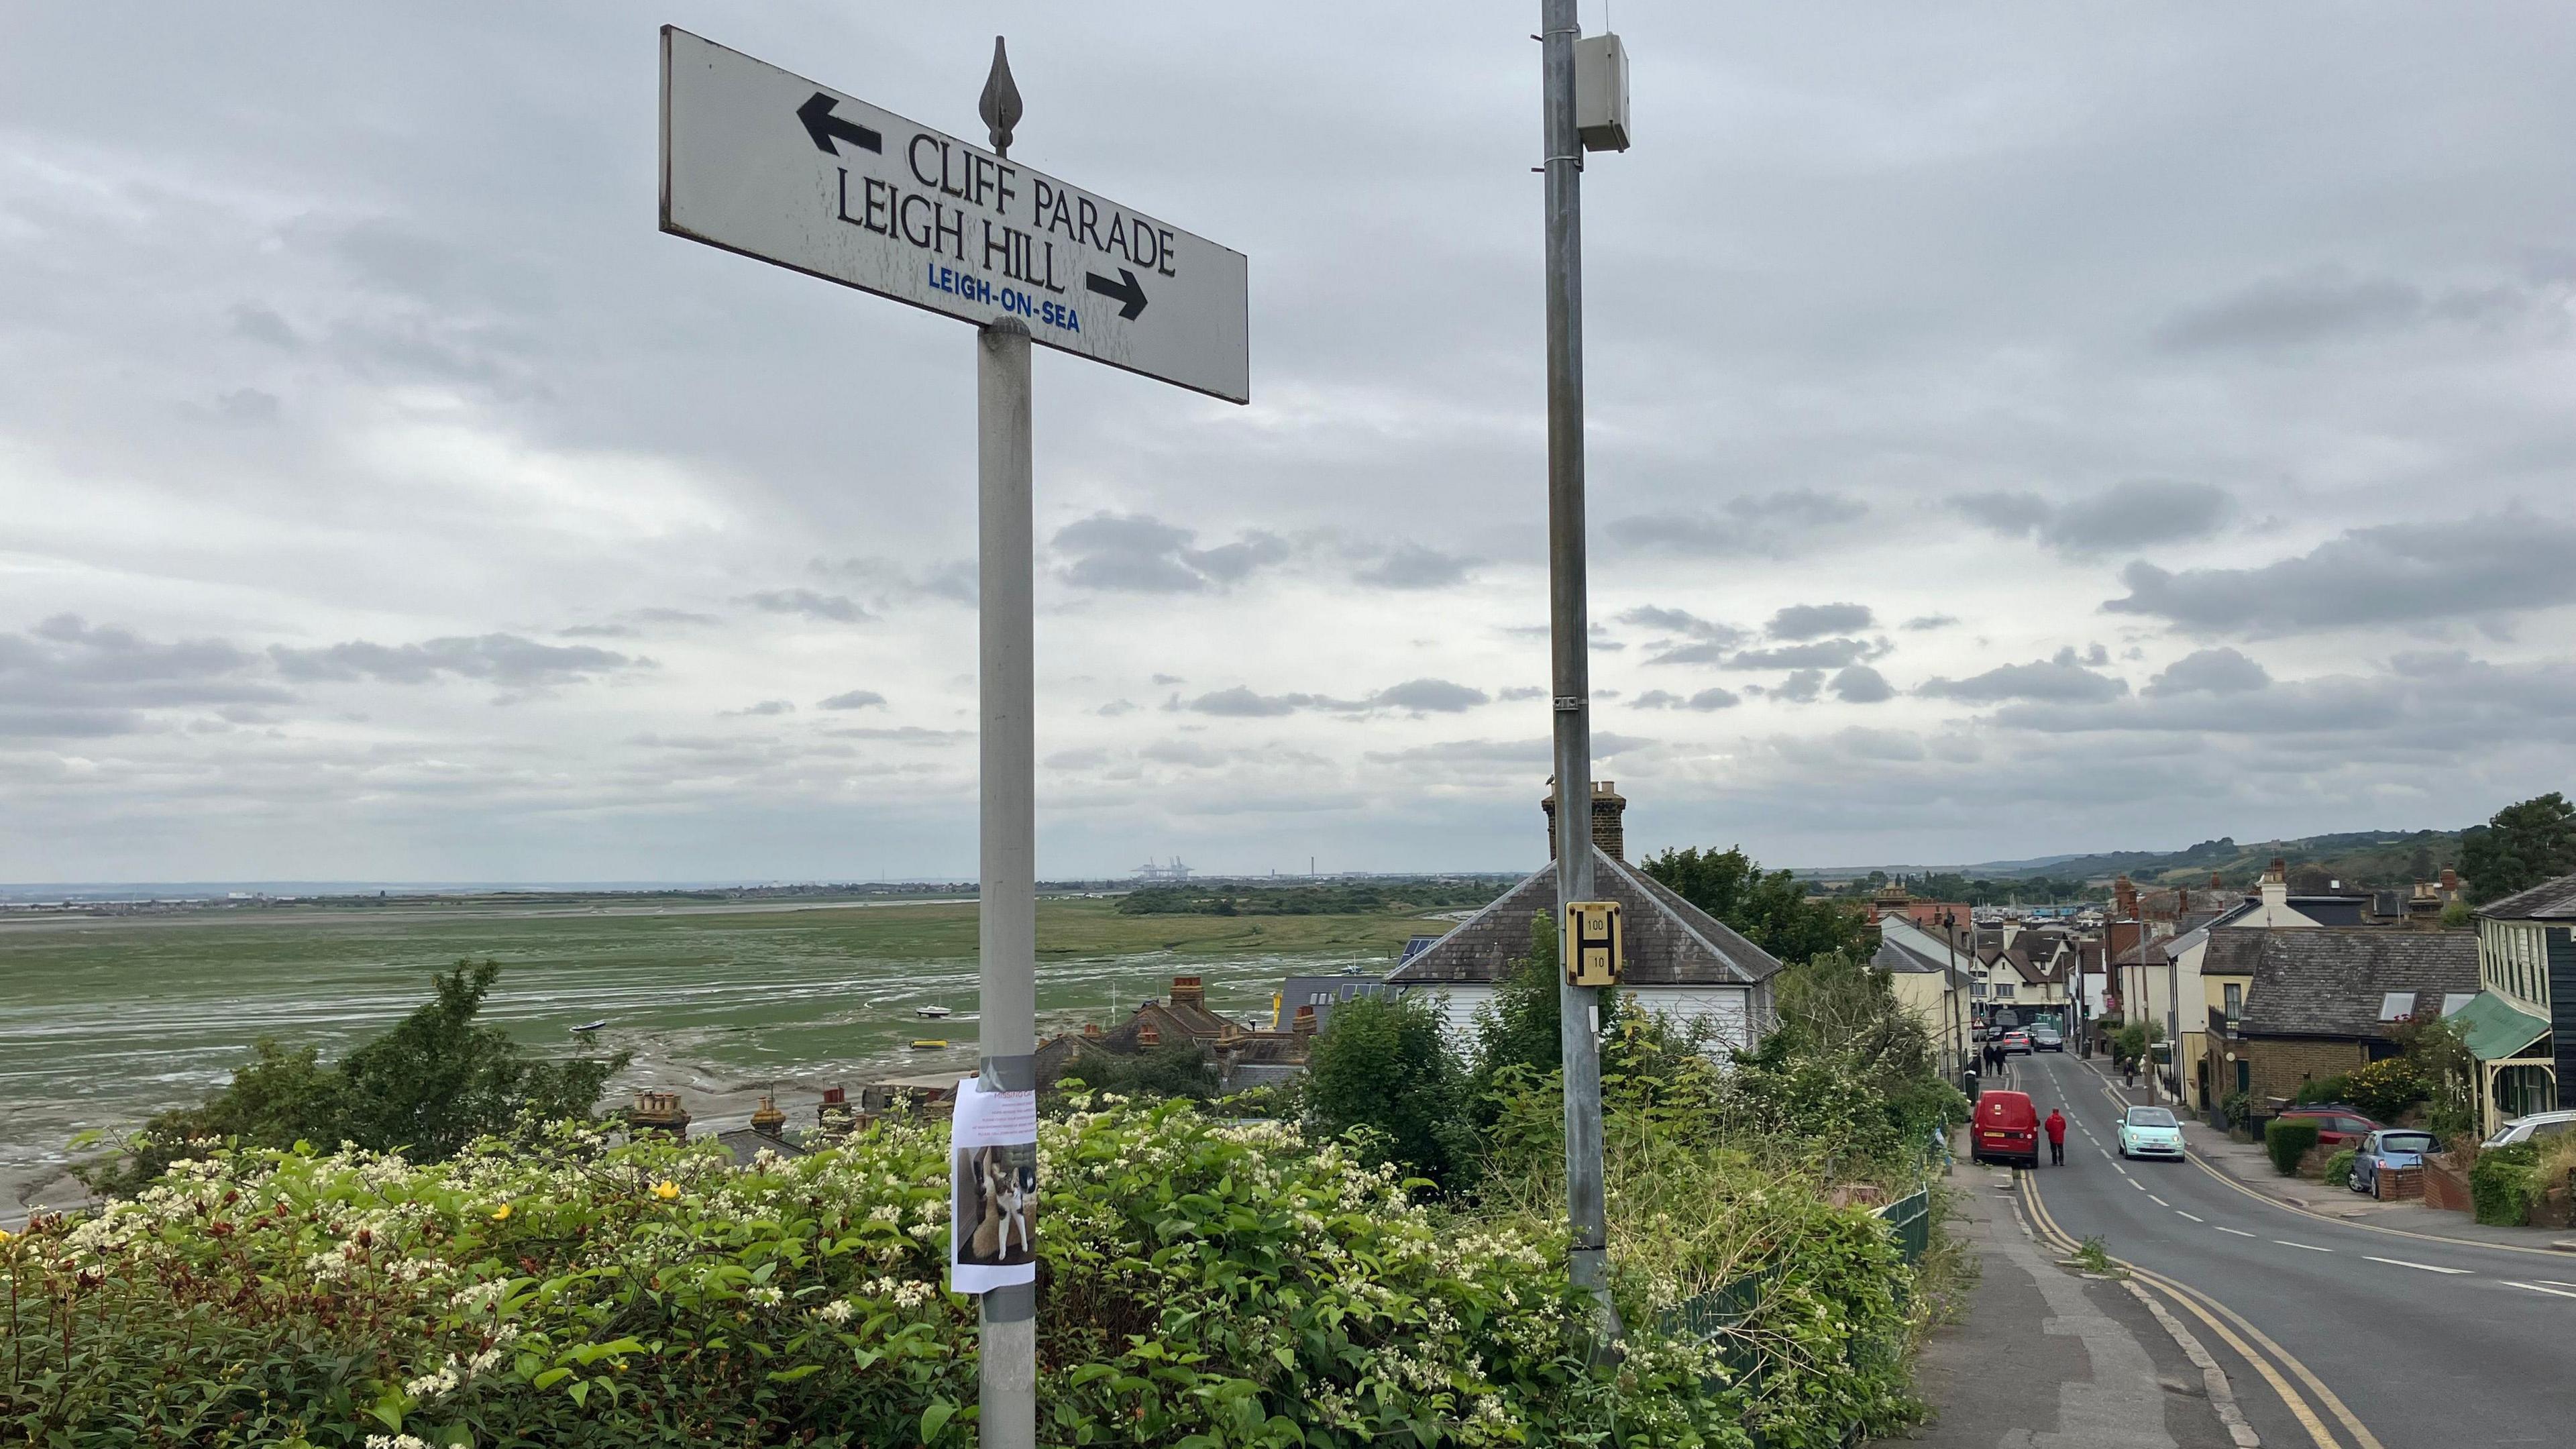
column 2330, row 981
column 1669, row 941
column 2551, row 900
column 1892, row 956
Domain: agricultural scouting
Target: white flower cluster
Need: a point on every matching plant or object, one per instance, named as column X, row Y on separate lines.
column 836, row 1312
column 395, row 1441
column 766, row 1296
column 906, row 1292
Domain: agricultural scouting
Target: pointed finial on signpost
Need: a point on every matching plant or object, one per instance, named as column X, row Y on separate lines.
column 1000, row 106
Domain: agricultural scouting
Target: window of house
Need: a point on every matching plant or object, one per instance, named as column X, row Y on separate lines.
column 2235, row 1003
column 1977, row 990
column 2244, row 1075
column 2004, row 989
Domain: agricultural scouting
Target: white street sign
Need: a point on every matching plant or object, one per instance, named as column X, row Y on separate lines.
column 771, row 165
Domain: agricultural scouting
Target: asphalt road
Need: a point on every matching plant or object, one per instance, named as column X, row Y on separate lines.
column 2343, row 1338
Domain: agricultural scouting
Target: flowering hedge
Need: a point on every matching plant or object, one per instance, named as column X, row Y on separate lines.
column 1203, row 1284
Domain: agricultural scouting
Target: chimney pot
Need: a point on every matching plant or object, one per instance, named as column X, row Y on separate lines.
column 2450, row 879
column 1187, row 991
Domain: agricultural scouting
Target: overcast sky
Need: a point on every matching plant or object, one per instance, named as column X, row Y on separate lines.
column 2014, row 430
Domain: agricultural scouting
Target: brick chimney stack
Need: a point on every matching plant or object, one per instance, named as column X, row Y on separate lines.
column 2124, row 898
column 1609, row 829
column 1186, row 991
column 2450, row 881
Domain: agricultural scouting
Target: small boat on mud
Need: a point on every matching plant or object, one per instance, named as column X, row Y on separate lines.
column 935, row 1013
column 590, row 1026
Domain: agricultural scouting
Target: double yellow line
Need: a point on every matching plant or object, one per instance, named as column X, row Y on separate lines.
column 2276, row 1364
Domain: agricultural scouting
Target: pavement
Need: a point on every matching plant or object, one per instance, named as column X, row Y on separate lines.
column 2048, row 1356
column 2335, row 1333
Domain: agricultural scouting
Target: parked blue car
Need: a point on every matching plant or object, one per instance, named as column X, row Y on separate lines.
column 2390, row 1147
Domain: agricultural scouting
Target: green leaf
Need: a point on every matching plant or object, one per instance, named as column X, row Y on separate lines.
column 935, row 1418
column 550, row 1378
column 580, row 1391
column 789, row 1376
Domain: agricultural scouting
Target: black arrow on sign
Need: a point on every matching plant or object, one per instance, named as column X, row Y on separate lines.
column 822, row 125
column 1123, row 290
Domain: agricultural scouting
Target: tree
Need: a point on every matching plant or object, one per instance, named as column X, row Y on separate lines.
column 2519, row 847
column 1773, row 911
column 425, row 1089
column 1384, row 1064
column 1847, row 1068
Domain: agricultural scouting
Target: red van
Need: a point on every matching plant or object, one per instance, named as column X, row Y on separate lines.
column 2006, row 1129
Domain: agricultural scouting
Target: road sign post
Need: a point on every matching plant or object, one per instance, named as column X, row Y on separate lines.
column 758, row 161
column 1569, row 640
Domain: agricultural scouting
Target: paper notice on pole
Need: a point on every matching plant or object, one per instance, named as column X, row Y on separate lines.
column 993, row 1174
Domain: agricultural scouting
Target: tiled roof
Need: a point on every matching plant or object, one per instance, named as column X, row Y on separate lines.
column 2551, row 900
column 1669, row 941
column 2332, row 981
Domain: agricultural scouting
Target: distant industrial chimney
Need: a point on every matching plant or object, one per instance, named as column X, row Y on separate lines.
column 1609, row 829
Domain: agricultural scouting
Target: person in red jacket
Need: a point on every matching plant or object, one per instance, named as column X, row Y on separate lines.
column 2056, row 1125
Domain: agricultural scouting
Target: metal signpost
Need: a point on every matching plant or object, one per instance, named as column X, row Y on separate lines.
column 1567, row 130
column 762, row 162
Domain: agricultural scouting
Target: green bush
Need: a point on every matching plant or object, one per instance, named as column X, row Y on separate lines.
column 2338, row 1171
column 2323, row 1089
column 2505, row 1184
column 2288, row 1140
column 2237, row 1107
column 2385, row 1089
column 1201, row 1283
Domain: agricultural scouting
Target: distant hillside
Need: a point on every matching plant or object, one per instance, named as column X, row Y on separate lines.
column 2357, row 858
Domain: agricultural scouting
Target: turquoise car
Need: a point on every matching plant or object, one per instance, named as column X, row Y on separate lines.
column 2150, row 1132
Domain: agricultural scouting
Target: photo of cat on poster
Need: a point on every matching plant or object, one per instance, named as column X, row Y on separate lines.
column 997, row 1200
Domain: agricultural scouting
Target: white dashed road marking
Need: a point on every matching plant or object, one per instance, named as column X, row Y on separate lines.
column 2311, row 1247
column 2240, row 1232
column 2160, row 1202
column 2426, row 1267
column 2536, row 1288
column 2195, row 1217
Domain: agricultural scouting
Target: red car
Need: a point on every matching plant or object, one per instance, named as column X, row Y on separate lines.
column 2338, row 1126
column 2005, row 1129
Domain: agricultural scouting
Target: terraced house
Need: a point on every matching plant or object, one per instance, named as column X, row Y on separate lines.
column 2522, row 1023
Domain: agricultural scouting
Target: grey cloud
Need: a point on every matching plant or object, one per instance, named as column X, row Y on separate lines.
column 1242, row 703
column 903, row 735
column 504, row 659
column 2062, row 678
column 1770, row 525
column 2402, row 573
column 1521, row 692
column 890, row 582
column 1189, row 753
column 248, row 405
column 1169, row 679
column 1415, row 566
column 1813, row 621
column 1116, row 707
column 670, row 616
column 2141, row 513
column 2330, row 305
column 635, row 617
column 806, row 603
column 1137, row 553
column 1860, row 684
column 1822, row 654
column 1082, row 759
column 2209, row 671
column 1706, row 700
column 767, row 707
column 263, row 324
column 1922, row 622
column 1437, row 696
column 853, row 699
column 1420, row 696
column 68, row 678
column 1800, row 687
